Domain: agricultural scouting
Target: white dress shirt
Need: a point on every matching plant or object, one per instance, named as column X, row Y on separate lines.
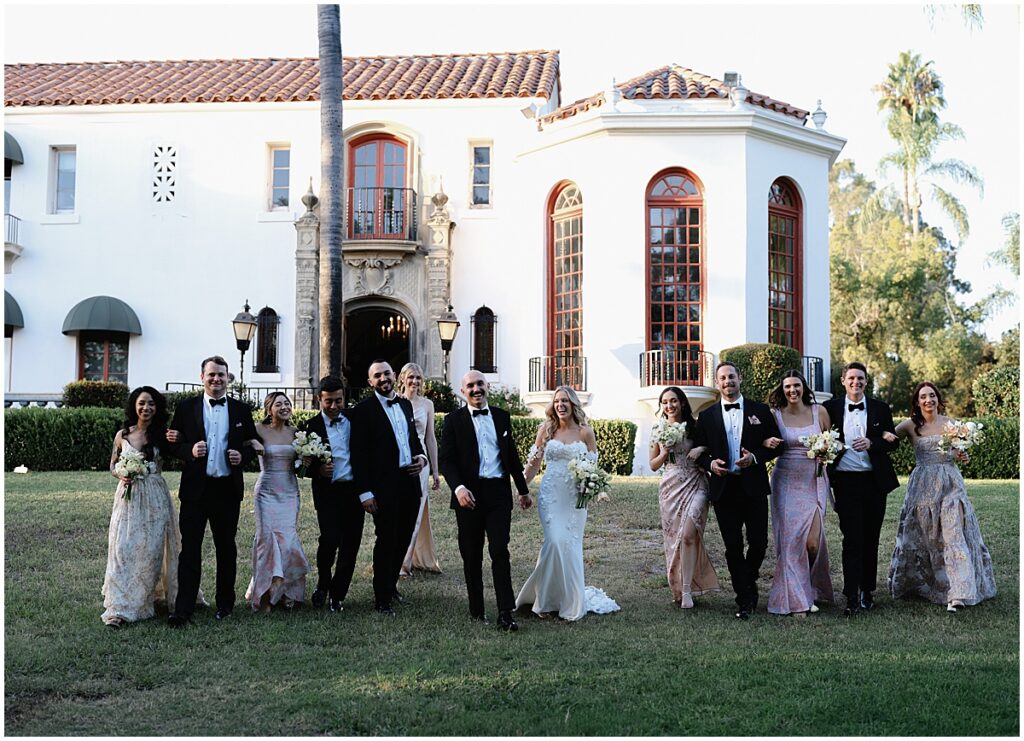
column 400, row 424
column 855, row 424
column 339, row 432
column 733, row 419
column 215, row 422
column 487, row 444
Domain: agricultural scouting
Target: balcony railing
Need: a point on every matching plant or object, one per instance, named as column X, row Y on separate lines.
column 548, row 372
column 303, row 397
column 381, row 213
column 11, row 225
column 814, row 372
column 677, row 368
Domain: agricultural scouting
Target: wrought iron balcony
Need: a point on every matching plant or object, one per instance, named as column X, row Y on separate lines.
column 677, row 368
column 381, row 213
column 814, row 372
column 548, row 372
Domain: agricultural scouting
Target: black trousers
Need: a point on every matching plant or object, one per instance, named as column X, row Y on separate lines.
column 860, row 505
column 735, row 511
column 491, row 518
column 340, row 516
column 218, row 505
column 393, row 523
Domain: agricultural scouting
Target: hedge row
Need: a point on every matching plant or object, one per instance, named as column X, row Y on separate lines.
column 998, row 457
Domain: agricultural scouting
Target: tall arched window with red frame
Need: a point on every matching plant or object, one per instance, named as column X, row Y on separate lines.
column 379, row 204
column 565, row 289
column 675, row 279
column 785, row 273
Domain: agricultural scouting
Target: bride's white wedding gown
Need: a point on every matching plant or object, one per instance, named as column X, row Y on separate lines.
column 556, row 584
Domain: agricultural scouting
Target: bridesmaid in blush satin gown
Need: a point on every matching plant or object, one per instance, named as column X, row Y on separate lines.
column 421, row 553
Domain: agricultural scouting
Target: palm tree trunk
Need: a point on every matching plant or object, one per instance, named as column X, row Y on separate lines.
column 906, row 197
column 332, row 199
column 915, row 200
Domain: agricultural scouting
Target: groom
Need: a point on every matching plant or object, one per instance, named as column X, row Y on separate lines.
column 212, row 430
column 476, row 458
column 734, row 432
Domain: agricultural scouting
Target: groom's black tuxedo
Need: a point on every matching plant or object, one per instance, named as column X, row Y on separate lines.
column 459, row 461
column 203, row 499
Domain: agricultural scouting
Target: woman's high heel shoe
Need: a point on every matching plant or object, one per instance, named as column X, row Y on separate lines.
column 686, row 601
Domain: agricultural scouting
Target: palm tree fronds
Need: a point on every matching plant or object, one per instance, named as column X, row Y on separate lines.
column 952, row 207
column 959, row 172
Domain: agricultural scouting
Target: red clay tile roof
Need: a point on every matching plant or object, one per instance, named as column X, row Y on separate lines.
column 496, row 75
column 667, row 83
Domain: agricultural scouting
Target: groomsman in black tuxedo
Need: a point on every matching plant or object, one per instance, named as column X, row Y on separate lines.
column 387, row 457
column 476, row 458
column 734, row 432
column 861, row 477
column 210, row 440
column 335, row 498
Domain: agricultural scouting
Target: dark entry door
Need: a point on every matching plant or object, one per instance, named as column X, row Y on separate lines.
column 374, row 333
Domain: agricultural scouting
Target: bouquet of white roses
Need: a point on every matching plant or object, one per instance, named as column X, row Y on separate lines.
column 131, row 465
column 592, row 481
column 958, row 436
column 668, row 434
column 308, row 445
column 822, row 447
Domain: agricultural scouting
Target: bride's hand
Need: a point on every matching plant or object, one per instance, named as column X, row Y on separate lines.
column 172, row 435
column 889, row 437
column 696, row 453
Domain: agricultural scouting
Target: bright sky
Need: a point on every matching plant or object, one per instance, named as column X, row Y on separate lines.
column 796, row 53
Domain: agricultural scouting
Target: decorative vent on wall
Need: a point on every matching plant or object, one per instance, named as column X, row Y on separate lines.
column 165, row 168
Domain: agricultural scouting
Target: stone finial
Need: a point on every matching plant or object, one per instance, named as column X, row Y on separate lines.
column 819, row 117
column 310, row 200
column 439, row 201
column 612, row 95
column 738, row 93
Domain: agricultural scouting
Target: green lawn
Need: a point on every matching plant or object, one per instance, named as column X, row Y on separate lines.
column 906, row 669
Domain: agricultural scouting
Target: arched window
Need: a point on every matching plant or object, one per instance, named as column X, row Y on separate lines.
column 266, row 341
column 379, row 204
column 675, row 279
column 484, row 323
column 565, row 289
column 785, row 276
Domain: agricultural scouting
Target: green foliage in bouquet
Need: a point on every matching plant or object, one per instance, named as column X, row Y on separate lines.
column 109, row 394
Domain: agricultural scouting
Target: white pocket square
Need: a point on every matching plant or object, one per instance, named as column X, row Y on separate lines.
column 238, row 424
column 505, row 433
column 753, row 419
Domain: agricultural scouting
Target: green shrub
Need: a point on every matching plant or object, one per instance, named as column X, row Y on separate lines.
column 440, row 392
column 509, row 400
column 68, row 439
column 997, row 392
column 760, row 366
column 998, row 457
column 108, row 394
column 176, row 397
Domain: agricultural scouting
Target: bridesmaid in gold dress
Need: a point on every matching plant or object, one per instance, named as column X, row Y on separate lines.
column 683, row 498
column 421, row 553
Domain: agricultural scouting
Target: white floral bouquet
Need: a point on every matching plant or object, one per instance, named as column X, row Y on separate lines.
column 822, row 447
column 308, row 445
column 592, row 482
column 668, row 434
column 958, row 436
column 131, row 465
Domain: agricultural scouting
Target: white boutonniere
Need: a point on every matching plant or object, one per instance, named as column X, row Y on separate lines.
column 752, row 419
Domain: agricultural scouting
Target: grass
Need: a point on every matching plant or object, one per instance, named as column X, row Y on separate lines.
column 906, row 669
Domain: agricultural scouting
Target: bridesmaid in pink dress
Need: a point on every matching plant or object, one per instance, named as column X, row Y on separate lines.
column 798, row 500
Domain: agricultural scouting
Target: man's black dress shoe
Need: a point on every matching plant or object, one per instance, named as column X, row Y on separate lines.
column 743, row 613
column 385, row 610
column 176, row 621
column 400, row 599
column 867, row 602
column 852, row 608
column 318, row 598
column 222, row 614
column 481, row 619
column 336, row 605
column 506, row 622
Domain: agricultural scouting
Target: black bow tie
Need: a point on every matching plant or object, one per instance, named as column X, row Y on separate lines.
column 478, row 412
column 731, row 406
column 392, row 402
column 855, row 407
column 219, row 402
column 335, row 422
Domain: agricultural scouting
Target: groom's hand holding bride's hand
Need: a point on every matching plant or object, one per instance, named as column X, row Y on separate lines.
column 525, row 502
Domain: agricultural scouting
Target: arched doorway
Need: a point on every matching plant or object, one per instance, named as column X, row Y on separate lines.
column 375, row 332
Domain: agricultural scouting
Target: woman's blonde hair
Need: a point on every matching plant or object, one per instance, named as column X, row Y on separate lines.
column 578, row 415
column 404, row 373
column 268, row 402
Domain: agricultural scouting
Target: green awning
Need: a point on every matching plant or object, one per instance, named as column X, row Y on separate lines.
column 102, row 313
column 12, row 150
column 12, row 312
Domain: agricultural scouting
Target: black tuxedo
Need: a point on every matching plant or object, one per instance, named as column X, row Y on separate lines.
column 459, row 461
column 740, row 500
column 860, row 497
column 340, row 516
column 203, row 499
column 375, row 458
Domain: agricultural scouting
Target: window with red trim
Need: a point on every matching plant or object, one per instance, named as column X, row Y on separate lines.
column 784, row 266
column 565, row 302
column 103, row 356
column 378, row 200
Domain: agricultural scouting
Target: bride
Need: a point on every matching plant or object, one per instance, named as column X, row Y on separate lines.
column 556, row 586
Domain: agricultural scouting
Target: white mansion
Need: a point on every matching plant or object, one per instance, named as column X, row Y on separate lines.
column 616, row 243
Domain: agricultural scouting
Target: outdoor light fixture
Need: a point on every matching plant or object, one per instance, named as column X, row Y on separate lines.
column 447, row 327
column 244, row 325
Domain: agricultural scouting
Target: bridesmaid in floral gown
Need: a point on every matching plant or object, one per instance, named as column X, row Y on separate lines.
column 683, row 500
column 939, row 552
column 279, row 564
column 799, row 495
column 421, row 553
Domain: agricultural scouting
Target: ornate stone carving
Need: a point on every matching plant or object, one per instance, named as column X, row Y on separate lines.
column 307, row 272
column 373, row 276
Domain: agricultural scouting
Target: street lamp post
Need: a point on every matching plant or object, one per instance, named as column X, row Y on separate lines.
column 447, row 327
column 244, row 325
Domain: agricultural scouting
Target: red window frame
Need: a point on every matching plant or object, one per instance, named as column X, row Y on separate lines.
column 785, row 265
column 565, row 273
column 368, row 210
column 106, row 338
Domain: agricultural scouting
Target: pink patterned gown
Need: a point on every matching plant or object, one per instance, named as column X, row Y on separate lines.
column 799, row 496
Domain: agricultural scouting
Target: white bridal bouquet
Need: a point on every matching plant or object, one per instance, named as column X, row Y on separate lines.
column 822, row 447
column 592, row 481
column 309, row 445
column 958, row 436
column 668, row 434
column 131, row 464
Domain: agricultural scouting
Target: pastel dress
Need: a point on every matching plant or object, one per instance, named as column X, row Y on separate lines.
column 421, row 553
column 799, row 497
column 279, row 564
column 682, row 497
column 556, row 584
column 143, row 544
column 939, row 552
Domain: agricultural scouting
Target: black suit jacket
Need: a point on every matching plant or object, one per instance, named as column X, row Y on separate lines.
column 758, row 425
column 375, row 449
column 188, row 421
column 459, row 456
column 322, row 487
column 879, row 421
